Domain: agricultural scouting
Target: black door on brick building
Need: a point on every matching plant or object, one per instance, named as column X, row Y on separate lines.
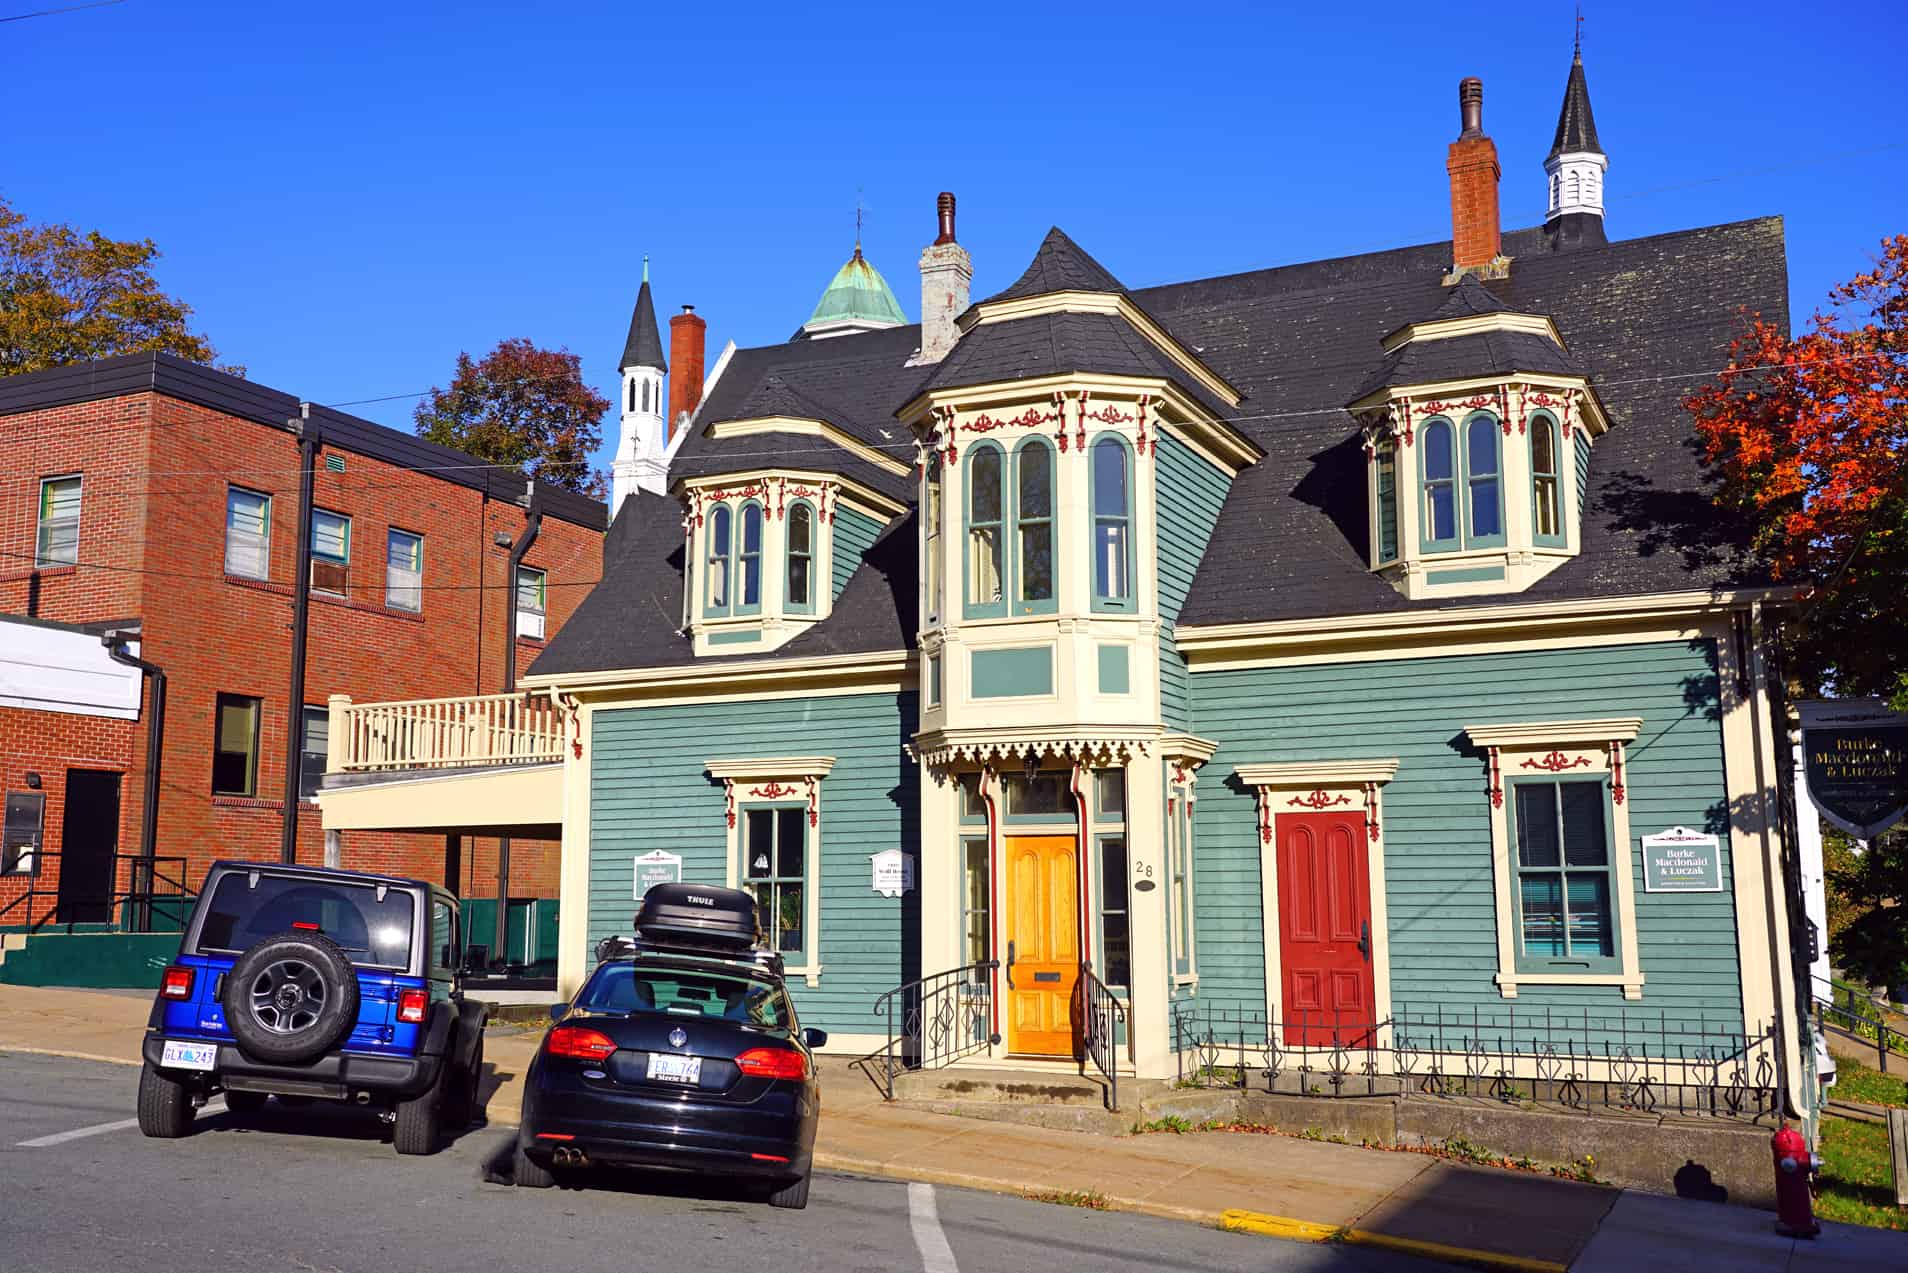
column 89, row 837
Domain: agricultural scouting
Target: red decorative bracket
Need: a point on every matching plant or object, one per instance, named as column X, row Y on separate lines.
column 1141, row 442
column 1616, row 771
column 728, row 790
column 1318, row 799
column 1265, row 815
column 774, row 791
column 576, row 724
column 1497, row 780
column 1371, row 809
column 1556, row 762
column 1060, row 415
column 814, row 802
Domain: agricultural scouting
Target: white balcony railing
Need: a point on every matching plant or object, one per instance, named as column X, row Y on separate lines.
column 442, row 733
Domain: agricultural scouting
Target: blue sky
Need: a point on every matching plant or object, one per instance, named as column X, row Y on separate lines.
column 350, row 194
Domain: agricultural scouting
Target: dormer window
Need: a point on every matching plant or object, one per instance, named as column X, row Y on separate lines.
column 1385, row 471
column 750, row 601
column 1485, row 524
column 721, row 539
column 801, row 557
column 986, row 501
column 1112, row 498
column 1546, row 491
column 1033, row 526
column 932, row 537
column 1477, row 476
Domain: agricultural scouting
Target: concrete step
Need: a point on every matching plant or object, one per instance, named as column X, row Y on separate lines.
column 973, row 1085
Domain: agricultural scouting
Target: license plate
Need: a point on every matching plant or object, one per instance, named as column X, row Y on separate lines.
column 675, row 1069
column 190, row 1056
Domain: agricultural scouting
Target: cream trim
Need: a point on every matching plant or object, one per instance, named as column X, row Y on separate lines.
column 727, row 675
column 1187, row 746
column 1316, row 773
column 771, row 767
column 573, row 870
column 882, row 506
column 1077, row 302
column 810, row 427
column 1594, row 418
column 1515, row 746
column 1471, row 325
column 1540, row 735
column 1418, row 631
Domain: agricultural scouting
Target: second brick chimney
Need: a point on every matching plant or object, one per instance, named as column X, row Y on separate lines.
column 947, row 272
column 1476, row 238
column 686, row 333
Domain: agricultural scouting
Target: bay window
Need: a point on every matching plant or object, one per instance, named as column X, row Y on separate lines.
column 721, row 536
column 1112, row 511
column 1546, row 519
column 1033, row 527
column 986, row 514
column 750, row 600
column 801, row 558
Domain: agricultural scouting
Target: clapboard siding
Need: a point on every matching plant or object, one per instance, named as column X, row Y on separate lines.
column 1439, row 891
column 854, row 532
column 1189, row 493
column 649, row 790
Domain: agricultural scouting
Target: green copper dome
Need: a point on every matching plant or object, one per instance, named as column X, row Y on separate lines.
column 858, row 299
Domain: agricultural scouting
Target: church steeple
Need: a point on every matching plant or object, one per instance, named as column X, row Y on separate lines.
column 640, row 462
column 1575, row 167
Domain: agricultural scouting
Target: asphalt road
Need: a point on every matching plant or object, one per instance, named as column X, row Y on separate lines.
column 320, row 1189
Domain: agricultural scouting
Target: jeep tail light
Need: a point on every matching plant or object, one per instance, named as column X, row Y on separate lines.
column 773, row 1063
column 306, row 926
column 411, row 1006
column 177, row 983
column 580, row 1042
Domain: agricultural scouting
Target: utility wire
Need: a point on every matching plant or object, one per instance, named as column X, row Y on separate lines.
column 71, row 8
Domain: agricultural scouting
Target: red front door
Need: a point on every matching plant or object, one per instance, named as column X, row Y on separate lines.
column 1324, row 929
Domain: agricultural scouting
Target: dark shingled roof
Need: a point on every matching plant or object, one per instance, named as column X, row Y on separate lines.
column 1468, row 298
column 643, row 346
column 1425, row 362
column 1643, row 318
column 1576, row 126
column 1060, row 265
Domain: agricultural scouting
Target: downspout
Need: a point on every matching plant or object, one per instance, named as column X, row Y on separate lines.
column 115, row 643
column 532, row 523
column 308, row 438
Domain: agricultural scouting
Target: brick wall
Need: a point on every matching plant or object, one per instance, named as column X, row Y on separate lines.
column 49, row 744
column 156, row 473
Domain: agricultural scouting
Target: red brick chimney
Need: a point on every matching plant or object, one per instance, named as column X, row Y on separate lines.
column 686, row 331
column 1476, row 239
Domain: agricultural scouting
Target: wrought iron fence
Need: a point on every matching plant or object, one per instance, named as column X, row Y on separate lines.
column 1855, row 1015
column 156, row 899
column 1105, row 1015
column 1628, row 1061
column 933, row 1022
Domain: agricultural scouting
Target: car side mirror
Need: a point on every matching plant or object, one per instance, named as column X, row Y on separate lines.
column 815, row 1038
column 557, row 1010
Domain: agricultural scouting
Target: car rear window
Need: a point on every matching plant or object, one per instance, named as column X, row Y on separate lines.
column 632, row 989
column 371, row 931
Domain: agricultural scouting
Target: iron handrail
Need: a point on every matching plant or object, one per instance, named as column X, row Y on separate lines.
column 1858, row 1024
column 1105, row 1014
column 945, row 1016
column 144, row 880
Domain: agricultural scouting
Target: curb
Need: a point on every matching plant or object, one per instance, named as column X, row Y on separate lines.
column 1236, row 1221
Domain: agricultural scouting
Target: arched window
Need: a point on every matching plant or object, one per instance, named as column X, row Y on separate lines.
column 1546, row 515
column 632, row 393
column 1385, row 477
column 1484, row 507
column 721, row 528
column 1112, row 499
column 931, row 532
column 750, row 600
column 1033, row 526
column 1440, row 486
column 801, row 557
column 986, row 510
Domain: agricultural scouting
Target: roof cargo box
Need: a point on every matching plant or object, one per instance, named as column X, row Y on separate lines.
column 697, row 915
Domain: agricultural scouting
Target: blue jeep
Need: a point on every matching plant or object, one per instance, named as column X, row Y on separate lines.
column 305, row 983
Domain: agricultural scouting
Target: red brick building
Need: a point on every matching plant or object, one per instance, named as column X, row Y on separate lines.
column 156, row 495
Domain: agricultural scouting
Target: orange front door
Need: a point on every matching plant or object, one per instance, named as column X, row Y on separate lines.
column 1042, row 943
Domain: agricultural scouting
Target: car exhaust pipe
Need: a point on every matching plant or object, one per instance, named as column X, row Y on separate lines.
column 564, row 1156
column 362, row 1098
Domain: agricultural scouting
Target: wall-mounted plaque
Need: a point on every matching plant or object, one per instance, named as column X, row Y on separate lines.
column 1680, row 860
column 657, row 868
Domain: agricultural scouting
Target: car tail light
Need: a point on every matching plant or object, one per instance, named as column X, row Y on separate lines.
column 773, row 1063
column 306, row 926
column 411, row 1006
column 580, row 1042
column 177, row 983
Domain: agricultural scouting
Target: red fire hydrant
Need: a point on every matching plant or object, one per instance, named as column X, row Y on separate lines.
column 1795, row 1167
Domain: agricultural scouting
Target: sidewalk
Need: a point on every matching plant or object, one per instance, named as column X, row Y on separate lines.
column 1286, row 1187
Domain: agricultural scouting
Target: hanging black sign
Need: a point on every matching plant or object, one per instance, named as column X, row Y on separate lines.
column 1857, row 773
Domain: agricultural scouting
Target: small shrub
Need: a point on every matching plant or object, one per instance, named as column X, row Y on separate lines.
column 1091, row 1199
column 1170, row 1123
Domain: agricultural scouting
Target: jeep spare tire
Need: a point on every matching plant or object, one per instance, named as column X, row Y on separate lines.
column 290, row 998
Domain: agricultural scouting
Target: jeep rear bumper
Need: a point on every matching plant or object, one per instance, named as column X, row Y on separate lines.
column 334, row 1076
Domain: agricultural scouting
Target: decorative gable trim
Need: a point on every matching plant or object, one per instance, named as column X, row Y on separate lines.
column 1472, row 325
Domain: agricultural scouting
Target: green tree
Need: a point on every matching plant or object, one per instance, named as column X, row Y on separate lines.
column 1868, row 906
column 69, row 297
column 524, row 407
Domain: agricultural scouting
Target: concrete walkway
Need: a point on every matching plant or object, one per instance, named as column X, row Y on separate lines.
column 1289, row 1187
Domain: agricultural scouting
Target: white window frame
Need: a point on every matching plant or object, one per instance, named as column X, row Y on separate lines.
column 530, row 622
column 400, row 582
column 780, row 779
column 343, row 562
column 43, row 524
column 1563, row 749
column 263, row 546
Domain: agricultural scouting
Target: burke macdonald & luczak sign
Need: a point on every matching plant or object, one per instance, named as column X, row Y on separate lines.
column 1855, row 760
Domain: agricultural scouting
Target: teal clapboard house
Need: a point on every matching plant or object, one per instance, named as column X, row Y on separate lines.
column 1307, row 657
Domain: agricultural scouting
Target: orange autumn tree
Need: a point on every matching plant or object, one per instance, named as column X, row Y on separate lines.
column 1809, row 435
column 525, row 407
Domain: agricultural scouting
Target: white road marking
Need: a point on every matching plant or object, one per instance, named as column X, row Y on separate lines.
column 100, row 1129
column 925, row 1220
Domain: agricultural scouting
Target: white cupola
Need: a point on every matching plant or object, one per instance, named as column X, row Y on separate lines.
column 1575, row 168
